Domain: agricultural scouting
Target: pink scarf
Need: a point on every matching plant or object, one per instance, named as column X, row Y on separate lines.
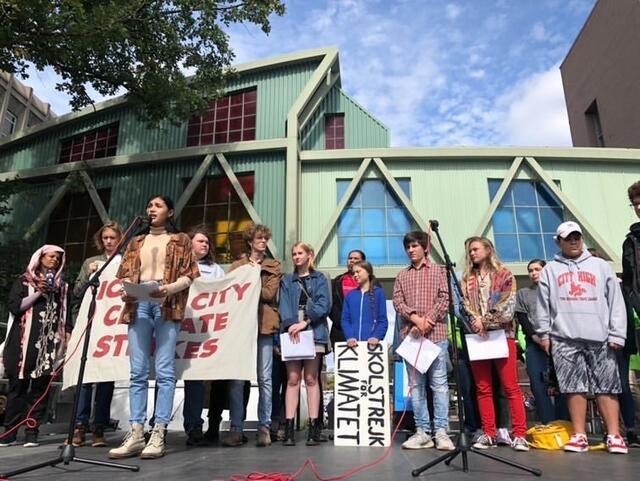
column 31, row 274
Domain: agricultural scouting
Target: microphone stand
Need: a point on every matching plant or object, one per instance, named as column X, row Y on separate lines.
column 463, row 445
column 68, row 453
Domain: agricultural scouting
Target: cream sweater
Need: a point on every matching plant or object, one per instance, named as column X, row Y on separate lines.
column 152, row 258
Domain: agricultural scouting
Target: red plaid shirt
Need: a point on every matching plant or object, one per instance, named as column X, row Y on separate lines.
column 422, row 290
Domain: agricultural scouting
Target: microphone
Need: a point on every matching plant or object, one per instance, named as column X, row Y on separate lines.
column 143, row 224
column 434, row 224
column 50, row 277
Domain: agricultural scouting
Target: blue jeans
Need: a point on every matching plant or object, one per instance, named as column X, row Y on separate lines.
column 102, row 412
column 546, row 409
column 236, row 405
column 265, row 367
column 148, row 323
column 193, row 403
column 437, row 375
column 625, row 398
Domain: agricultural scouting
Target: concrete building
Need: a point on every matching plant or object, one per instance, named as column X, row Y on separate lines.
column 287, row 146
column 19, row 107
column 601, row 74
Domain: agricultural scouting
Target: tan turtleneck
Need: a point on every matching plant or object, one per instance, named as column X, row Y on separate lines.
column 153, row 254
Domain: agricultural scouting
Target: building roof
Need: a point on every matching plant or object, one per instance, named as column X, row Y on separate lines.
column 254, row 66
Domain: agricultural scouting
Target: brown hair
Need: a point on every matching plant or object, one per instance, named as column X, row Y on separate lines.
column 208, row 258
column 97, row 237
column 495, row 264
column 634, row 190
column 308, row 249
column 252, row 230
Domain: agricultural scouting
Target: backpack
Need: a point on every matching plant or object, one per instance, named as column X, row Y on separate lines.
column 552, row 436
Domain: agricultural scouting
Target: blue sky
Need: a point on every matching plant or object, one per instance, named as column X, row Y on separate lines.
column 437, row 73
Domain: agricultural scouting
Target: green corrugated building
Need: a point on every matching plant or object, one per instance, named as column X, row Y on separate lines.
column 288, row 147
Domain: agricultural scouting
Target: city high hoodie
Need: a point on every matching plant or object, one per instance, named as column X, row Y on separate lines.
column 580, row 299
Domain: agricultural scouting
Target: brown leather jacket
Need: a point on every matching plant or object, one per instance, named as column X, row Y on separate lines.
column 270, row 274
column 179, row 262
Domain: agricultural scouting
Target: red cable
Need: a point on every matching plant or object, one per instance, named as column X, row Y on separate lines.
column 309, row 464
column 28, row 420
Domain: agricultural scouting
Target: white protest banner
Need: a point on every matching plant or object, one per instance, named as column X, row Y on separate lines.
column 361, row 401
column 217, row 340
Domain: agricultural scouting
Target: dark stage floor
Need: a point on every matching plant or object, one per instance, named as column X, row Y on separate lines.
column 218, row 463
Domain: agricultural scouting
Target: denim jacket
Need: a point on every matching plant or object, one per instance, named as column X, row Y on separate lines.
column 317, row 308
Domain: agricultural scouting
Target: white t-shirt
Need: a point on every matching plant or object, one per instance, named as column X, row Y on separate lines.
column 210, row 271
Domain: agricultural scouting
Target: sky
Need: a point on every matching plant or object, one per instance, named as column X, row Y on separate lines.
column 436, row 73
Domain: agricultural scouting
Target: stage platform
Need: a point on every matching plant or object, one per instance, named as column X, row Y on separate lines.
column 219, row 463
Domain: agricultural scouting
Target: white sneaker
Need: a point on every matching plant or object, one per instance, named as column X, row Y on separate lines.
column 420, row 440
column 520, row 444
column 443, row 442
column 503, row 438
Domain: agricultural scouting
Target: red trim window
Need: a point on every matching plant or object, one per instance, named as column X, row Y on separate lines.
column 231, row 118
column 102, row 142
column 334, row 131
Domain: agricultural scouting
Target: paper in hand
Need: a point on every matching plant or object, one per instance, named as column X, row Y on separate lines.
column 420, row 349
column 142, row 291
column 492, row 347
column 305, row 349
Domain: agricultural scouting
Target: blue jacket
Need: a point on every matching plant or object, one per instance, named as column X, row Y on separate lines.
column 357, row 319
column 317, row 308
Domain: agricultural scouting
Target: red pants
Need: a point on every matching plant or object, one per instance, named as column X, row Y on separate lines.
column 507, row 372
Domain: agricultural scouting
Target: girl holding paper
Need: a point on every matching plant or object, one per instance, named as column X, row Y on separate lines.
column 36, row 338
column 304, row 305
column 364, row 312
column 489, row 291
column 164, row 255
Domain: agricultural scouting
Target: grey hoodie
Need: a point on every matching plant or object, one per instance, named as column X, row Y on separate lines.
column 580, row 299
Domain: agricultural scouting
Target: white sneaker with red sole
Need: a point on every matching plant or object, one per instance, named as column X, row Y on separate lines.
column 616, row 444
column 577, row 444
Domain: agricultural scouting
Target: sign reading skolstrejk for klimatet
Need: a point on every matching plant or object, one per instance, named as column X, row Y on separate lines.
column 362, row 411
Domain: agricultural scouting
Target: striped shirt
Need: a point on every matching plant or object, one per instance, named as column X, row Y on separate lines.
column 422, row 290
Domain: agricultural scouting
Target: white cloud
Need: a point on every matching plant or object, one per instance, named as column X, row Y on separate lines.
column 533, row 112
column 538, row 32
column 453, row 11
column 477, row 74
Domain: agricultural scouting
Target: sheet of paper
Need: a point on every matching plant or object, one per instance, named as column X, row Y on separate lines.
column 141, row 291
column 305, row 349
column 419, row 348
column 492, row 347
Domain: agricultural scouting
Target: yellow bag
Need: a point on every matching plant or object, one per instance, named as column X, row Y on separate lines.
column 550, row 436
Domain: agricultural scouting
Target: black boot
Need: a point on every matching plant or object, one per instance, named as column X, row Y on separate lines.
column 289, row 433
column 313, row 434
column 212, row 435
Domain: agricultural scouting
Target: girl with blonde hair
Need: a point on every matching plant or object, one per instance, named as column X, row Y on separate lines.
column 489, row 291
column 304, row 305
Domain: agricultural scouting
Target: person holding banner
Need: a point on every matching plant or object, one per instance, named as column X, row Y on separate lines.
column 304, row 304
column 39, row 323
column 489, row 291
column 257, row 237
column 164, row 255
column 106, row 240
column 194, row 390
column 364, row 312
column 421, row 297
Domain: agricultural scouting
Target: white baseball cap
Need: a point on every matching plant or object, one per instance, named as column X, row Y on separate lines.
column 566, row 228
